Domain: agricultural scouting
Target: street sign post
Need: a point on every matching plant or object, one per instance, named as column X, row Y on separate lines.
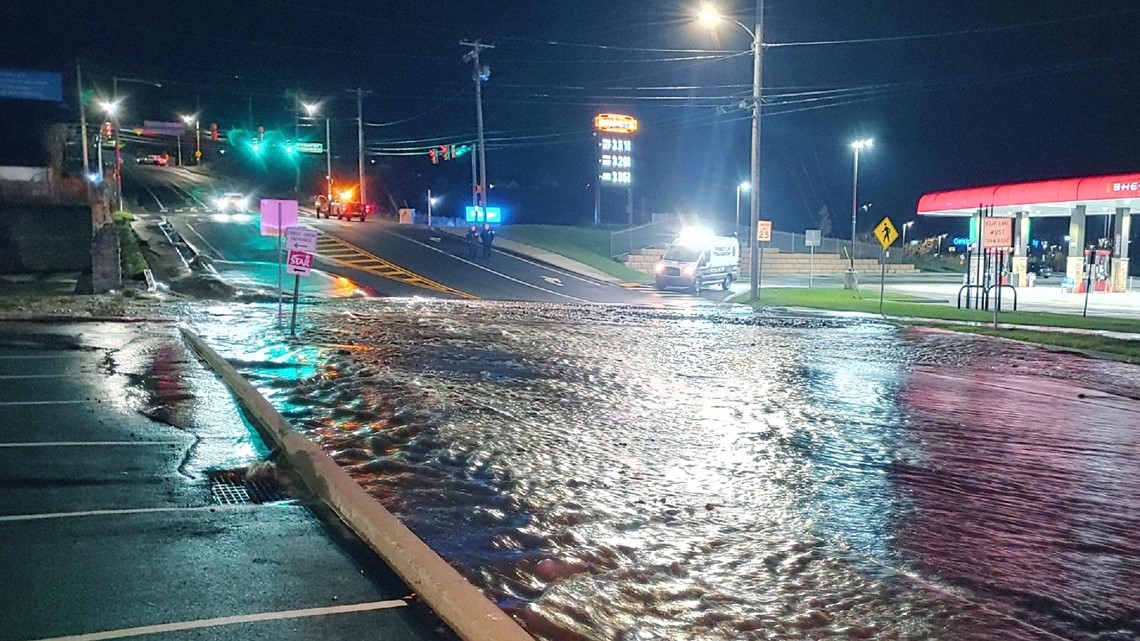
column 812, row 238
column 886, row 234
column 301, row 243
column 276, row 217
column 763, row 235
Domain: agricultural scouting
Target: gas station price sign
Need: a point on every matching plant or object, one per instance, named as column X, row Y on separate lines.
column 616, row 161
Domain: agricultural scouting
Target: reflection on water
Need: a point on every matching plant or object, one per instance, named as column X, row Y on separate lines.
column 613, row 473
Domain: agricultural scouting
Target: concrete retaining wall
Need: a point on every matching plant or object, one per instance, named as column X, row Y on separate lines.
column 462, row 606
column 45, row 238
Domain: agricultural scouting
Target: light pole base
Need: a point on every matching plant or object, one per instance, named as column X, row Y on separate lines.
column 851, row 279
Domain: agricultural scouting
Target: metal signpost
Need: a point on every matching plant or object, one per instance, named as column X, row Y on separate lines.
column 276, row 217
column 812, row 238
column 763, row 235
column 301, row 243
column 997, row 236
column 886, row 234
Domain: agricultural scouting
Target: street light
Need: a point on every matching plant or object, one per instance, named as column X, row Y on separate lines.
column 709, row 17
column 431, row 201
column 857, row 146
column 111, row 107
column 744, row 186
column 192, row 120
column 312, row 109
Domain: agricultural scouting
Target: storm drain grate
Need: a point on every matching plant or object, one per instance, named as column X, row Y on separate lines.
column 230, row 487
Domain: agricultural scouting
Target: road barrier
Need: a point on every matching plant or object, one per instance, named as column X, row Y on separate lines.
column 461, row 605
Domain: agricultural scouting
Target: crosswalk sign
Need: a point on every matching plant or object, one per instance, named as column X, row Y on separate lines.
column 886, row 233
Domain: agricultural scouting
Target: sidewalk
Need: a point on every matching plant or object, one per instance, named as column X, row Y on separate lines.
column 111, row 508
column 540, row 255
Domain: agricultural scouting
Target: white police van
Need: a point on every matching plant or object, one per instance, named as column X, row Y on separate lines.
column 696, row 259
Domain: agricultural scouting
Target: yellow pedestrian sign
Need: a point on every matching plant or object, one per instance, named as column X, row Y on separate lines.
column 886, row 233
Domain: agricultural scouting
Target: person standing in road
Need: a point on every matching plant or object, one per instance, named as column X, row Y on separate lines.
column 488, row 236
column 472, row 242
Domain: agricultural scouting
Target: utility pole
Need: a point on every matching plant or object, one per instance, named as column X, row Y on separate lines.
column 479, row 75
column 83, row 123
column 757, row 84
column 118, row 143
column 360, row 140
column 296, row 137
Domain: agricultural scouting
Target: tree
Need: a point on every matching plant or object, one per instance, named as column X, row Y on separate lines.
column 824, row 221
column 55, row 145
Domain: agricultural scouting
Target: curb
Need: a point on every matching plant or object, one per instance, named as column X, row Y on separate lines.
column 456, row 601
column 63, row 318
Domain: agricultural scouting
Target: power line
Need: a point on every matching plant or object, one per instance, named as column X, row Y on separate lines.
column 951, row 34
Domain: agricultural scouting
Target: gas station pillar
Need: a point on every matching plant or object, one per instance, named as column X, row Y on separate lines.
column 1075, row 265
column 1021, row 249
column 1121, row 231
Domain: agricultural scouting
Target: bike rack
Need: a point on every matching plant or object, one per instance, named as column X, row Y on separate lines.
column 969, row 287
column 997, row 300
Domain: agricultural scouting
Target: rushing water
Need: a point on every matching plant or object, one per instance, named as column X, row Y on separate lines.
column 624, row 474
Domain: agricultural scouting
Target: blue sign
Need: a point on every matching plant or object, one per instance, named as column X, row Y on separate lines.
column 494, row 215
column 961, row 241
column 31, row 85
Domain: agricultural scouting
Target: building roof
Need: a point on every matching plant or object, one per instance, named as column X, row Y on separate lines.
column 1099, row 195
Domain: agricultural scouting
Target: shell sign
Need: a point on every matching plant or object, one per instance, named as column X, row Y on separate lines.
column 615, row 123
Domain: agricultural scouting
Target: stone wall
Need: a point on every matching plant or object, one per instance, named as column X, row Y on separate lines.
column 41, row 238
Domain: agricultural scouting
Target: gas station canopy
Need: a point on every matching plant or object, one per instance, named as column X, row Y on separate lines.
column 1098, row 194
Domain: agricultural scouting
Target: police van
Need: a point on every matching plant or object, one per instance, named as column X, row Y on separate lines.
column 697, row 259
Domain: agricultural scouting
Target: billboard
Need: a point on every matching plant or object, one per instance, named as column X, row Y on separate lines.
column 31, row 85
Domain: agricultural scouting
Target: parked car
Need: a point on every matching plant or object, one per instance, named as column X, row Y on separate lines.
column 342, row 210
column 160, row 160
column 1042, row 270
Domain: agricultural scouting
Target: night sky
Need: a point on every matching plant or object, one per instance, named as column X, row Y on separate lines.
column 1020, row 90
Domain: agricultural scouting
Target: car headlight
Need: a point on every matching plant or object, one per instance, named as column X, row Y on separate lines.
column 243, row 203
column 690, row 270
column 220, row 203
column 659, row 267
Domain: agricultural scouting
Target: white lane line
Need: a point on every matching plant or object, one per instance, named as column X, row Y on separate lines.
column 486, row 269
column 89, row 444
column 234, row 620
column 43, row 516
column 212, row 248
column 64, row 402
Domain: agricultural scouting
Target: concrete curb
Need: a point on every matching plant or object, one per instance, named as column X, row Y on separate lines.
column 63, row 318
column 462, row 607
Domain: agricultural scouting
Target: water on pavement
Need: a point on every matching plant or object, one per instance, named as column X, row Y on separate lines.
column 628, row 474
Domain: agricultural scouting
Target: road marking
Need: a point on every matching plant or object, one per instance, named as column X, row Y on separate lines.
column 8, row 377
column 211, row 247
column 553, row 281
column 65, row 402
column 340, row 252
column 88, row 444
column 234, row 620
column 436, row 239
column 487, row 269
column 11, row 518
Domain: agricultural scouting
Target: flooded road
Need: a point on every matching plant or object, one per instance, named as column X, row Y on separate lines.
column 629, row 474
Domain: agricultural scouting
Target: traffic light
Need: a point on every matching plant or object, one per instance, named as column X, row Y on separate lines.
column 214, row 132
column 434, row 155
column 445, row 151
column 108, row 131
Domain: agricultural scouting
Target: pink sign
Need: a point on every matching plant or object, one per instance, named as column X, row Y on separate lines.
column 277, row 216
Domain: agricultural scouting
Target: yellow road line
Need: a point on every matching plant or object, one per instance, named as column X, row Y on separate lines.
column 345, row 254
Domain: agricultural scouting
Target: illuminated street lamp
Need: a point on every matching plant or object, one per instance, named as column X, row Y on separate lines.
column 745, row 187
column 857, row 146
column 192, row 120
column 112, row 109
column 709, row 17
column 312, row 109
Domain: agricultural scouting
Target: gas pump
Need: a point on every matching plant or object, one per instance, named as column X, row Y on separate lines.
column 1098, row 261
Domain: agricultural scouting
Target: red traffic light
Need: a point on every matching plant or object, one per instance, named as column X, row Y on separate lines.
column 214, row 132
column 434, row 155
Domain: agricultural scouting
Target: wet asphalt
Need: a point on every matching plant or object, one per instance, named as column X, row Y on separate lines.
column 107, row 433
